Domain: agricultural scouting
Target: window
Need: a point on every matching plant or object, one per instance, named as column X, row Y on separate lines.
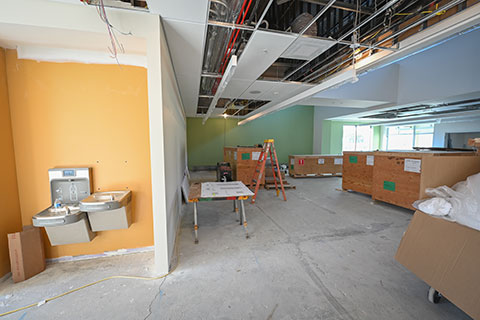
column 409, row 136
column 357, row 138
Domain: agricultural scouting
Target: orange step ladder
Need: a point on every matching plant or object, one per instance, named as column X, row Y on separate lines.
column 268, row 150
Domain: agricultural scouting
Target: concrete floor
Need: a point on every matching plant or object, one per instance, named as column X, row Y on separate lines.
column 323, row 254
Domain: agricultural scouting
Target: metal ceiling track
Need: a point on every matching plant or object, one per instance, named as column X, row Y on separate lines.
column 331, row 60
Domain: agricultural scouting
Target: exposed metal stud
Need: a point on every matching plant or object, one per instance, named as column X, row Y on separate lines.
column 427, row 17
column 376, row 13
column 342, row 5
column 229, row 25
column 263, row 14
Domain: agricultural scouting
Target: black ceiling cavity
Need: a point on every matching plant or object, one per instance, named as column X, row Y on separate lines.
column 280, row 68
column 231, row 107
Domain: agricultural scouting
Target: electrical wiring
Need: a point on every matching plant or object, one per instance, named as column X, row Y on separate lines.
column 423, row 12
column 115, row 45
column 42, row 302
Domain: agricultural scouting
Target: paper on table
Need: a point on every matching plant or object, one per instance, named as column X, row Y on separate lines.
column 224, row 189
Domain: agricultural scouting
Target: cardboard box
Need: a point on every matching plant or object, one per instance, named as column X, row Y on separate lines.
column 27, row 254
column 446, row 256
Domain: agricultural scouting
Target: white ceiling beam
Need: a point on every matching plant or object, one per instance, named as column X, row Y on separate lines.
column 227, row 76
column 336, row 80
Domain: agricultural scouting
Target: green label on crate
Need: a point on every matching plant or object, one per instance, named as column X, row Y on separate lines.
column 291, row 167
column 353, row 159
column 245, row 156
column 389, row 185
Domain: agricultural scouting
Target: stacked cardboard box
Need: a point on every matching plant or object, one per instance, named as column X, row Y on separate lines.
column 315, row 165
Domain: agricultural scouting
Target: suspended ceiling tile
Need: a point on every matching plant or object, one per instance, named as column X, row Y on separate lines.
column 285, row 90
column 306, row 48
column 259, row 90
column 262, row 50
column 185, row 43
column 235, row 88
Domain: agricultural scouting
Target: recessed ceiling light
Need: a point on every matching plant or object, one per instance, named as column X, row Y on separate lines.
column 255, row 91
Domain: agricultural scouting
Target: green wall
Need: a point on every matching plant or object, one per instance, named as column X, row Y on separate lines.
column 291, row 128
column 332, row 135
column 377, row 137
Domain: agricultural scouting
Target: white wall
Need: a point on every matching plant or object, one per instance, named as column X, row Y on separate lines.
column 441, row 129
column 174, row 137
column 447, row 70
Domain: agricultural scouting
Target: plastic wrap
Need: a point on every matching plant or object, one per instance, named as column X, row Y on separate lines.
column 460, row 203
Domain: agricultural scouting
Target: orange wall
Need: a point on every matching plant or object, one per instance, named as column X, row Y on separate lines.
column 82, row 115
column 10, row 218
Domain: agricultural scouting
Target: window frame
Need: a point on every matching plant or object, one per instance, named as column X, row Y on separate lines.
column 356, row 135
column 414, row 135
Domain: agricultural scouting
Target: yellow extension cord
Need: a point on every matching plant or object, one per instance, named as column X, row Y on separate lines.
column 83, row 287
column 98, row 281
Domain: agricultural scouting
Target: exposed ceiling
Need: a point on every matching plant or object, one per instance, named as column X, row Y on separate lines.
column 284, row 47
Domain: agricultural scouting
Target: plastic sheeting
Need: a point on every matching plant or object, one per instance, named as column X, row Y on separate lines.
column 460, row 203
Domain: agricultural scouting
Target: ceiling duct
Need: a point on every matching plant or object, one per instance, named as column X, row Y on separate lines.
column 427, row 110
column 301, row 22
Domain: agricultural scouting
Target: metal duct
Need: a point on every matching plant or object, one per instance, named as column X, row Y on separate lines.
column 301, row 22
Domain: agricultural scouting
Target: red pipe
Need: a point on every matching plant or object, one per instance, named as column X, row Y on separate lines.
column 231, row 44
column 236, row 35
column 231, row 36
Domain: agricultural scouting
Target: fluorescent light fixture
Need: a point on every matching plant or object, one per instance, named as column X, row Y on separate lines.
column 227, row 76
column 336, row 81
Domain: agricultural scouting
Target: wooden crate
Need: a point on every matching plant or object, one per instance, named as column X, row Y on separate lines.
column 400, row 178
column 358, row 171
column 315, row 165
column 243, row 161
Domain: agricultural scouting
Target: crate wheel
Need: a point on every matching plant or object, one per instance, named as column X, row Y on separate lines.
column 433, row 295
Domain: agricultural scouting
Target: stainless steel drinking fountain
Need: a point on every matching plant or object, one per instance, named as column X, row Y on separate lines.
column 64, row 221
